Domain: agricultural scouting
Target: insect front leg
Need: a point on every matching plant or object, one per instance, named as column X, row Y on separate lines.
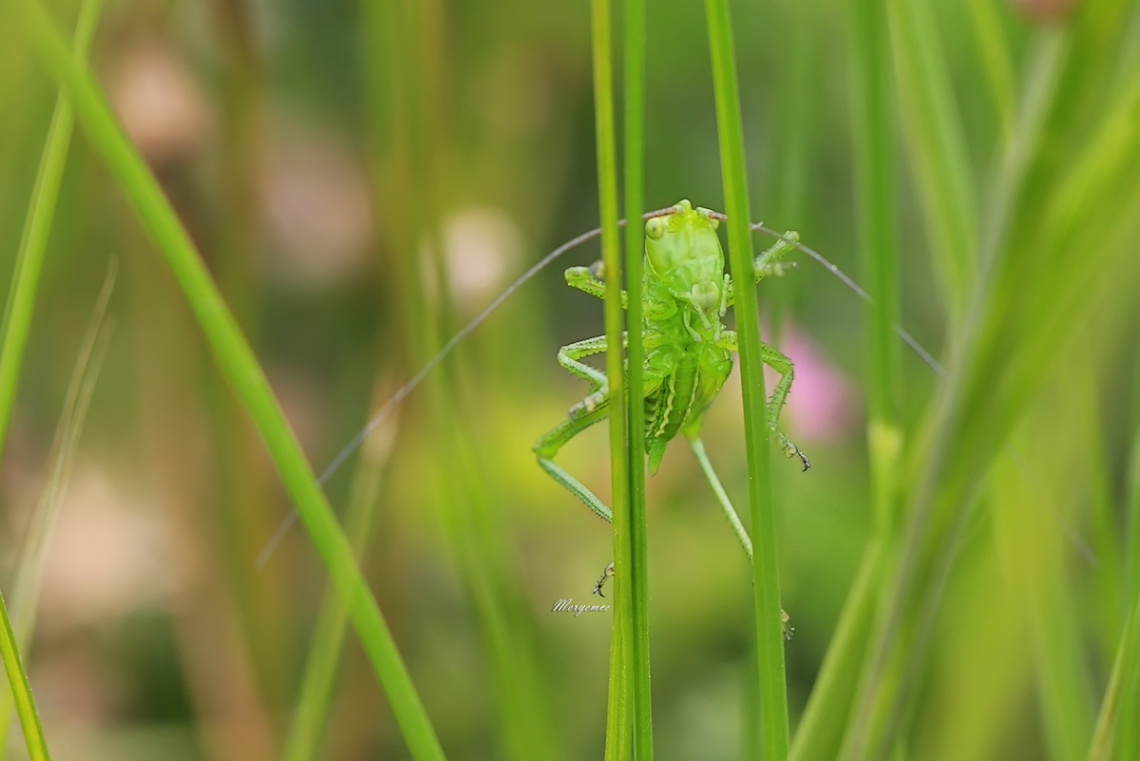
column 782, row 364
column 589, row 280
column 769, row 263
column 592, row 409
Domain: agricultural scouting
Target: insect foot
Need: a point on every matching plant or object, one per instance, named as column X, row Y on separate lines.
column 790, row 449
column 602, row 581
column 787, row 628
column 775, row 269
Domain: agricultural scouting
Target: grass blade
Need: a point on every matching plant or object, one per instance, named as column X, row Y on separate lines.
column 634, row 47
column 33, row 241
column 237, row 362
column 937, row 145
column 998, row 67
column 820, row 734
column 316, row 695
column 773, row 717
column 29, row 570
column 619, row 718
column 21, row 689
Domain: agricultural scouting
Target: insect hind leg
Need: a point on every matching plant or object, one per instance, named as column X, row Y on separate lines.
column 549, row 445
column 568, row 357
column 782, row 364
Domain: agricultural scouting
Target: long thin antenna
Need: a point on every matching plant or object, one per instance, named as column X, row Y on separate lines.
column 907, row 338
column 402, row 393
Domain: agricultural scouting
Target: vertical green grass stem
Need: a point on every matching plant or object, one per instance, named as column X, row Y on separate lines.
column 634, row 112
column 21, row 689
column 317, row 692
column 239, row 365
column 820, row 734
column 872, row 122
column 29, row 570
column 997, row 62
column 766, row 585
column 37, row 227
column 618, row 721
column 937, row 143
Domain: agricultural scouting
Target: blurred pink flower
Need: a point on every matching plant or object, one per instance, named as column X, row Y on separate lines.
column 821, row 404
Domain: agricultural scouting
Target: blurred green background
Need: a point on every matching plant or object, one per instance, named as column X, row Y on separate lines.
column 363, row 178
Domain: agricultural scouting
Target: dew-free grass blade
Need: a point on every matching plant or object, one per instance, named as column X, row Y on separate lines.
column 765, row 570
column 33, row 241
column 238, row 363
column 29, row 570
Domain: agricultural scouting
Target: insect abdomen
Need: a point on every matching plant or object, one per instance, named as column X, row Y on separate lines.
column 669, row 408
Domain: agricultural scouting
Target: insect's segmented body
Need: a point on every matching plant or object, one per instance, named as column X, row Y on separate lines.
column 686, row 292
column 688, row 350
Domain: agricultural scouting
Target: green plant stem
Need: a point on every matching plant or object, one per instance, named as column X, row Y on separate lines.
column 634, row 112
column 1115, row 736
column 21, row 689
column 766, row 585
column 872, row 120
column 29, row 571
column 937, row 144
column 240, row 367
column 618, row 721
column 820, row 734
column 316, row 697
column 997, row 62
column 37, row 227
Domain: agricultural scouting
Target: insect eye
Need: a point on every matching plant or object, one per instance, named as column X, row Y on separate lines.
column 655, row 228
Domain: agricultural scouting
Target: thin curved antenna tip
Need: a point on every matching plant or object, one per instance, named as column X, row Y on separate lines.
column 906, row 337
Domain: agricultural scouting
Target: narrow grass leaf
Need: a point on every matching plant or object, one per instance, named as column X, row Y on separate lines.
column 33, row 241
column 872, row 105
column 29, row 570
column 766, row 583
column 619, row 727
column 21, row 689
column 997, row 62
column 634, row 153
column 934, row 133
column 318, row 694
column 237, row 362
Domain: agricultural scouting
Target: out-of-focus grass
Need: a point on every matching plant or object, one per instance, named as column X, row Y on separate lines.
column 996, row 610
column 30, row 568
column 620, row 714
column 241, row 369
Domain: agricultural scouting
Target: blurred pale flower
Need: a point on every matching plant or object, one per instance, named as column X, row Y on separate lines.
column 105, row 558
column 318, row 209
column 482, row 244
column 159, row 103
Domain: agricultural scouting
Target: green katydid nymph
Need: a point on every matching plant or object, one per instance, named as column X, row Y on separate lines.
column 688, row 350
